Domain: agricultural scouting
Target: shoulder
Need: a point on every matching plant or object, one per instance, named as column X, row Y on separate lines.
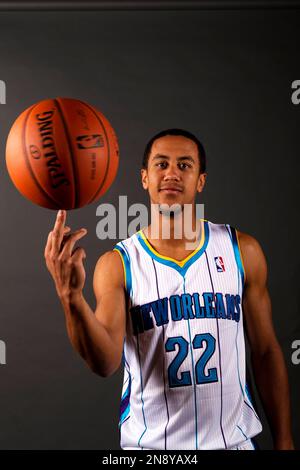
column 249, row 245
column 110, row 258
column 253, row 257
column 114, row 265
column 109, row 266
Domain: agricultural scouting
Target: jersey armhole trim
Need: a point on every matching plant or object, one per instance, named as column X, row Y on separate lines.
column 126, row 268
column 241, row 256
column 238, row 253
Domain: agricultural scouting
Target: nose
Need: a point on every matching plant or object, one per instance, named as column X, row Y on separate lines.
column 172, row 173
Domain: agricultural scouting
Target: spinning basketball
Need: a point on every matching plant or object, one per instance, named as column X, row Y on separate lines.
column 62, row 153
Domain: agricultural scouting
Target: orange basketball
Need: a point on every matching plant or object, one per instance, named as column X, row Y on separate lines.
column 62, row 153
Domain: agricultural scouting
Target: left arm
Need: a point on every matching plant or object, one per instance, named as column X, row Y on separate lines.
column 266, row 355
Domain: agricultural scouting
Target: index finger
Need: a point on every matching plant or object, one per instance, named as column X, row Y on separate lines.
column 57, row 233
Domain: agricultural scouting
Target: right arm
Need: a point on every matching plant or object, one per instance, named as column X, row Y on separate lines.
column 97, row 336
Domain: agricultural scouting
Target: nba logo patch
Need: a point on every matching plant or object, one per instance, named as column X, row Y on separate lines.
column 219, row 264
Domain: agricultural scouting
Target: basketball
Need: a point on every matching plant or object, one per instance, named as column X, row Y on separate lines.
column 62, row 153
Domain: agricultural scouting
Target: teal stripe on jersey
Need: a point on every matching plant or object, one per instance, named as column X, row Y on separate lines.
column 126, row 261
column 182, row 270
column 237, row 253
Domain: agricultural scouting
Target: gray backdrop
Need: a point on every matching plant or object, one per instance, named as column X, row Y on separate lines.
column 224, row 75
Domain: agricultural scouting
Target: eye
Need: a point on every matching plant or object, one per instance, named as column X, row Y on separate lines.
column 161, row 164
column 183, row 166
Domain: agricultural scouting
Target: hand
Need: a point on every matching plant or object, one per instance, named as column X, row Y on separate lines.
column 64, row 263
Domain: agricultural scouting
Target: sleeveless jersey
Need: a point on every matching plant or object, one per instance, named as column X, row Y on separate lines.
column 184, row 352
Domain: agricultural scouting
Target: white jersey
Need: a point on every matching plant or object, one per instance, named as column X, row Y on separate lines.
column 184, row 352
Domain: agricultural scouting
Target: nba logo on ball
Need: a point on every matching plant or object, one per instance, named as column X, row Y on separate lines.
column 89, row 141
column 219, row 264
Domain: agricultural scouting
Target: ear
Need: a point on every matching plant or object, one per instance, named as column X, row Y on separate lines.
column 144, row 175
column 201, row 182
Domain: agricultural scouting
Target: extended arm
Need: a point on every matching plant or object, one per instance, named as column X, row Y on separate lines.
column 266, row 356
column 97, row 336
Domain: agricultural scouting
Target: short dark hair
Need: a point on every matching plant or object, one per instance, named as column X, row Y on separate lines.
column 189, row 135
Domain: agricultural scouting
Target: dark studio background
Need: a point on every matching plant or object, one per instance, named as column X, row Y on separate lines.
column 223, row 74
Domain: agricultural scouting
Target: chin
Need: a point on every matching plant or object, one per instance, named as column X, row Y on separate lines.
column 165, row 209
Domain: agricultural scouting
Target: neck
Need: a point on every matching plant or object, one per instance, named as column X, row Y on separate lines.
column 177, row 230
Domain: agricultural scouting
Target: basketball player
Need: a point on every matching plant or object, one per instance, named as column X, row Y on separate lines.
column 175, row 317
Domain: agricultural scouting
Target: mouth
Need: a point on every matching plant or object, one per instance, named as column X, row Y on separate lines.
column 171, row 190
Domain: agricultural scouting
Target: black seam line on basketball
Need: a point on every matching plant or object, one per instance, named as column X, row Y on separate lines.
column 220, row 365
column 108, row 153
column 158, row 294
column 27, row 162
column 76, row 187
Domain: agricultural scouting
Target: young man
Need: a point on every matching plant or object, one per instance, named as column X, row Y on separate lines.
column 175, row 316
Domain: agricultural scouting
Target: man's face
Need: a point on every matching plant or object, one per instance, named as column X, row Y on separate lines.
column 173, row 174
